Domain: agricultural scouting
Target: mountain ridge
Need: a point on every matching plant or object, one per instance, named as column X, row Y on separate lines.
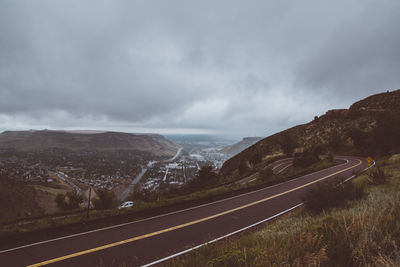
column 240, row 146
column 100, row 141
column 332, row 129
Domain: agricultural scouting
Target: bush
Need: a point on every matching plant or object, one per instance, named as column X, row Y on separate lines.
column 328, row 195
column 266, row 174
column 205, row 177
column 69, row 201
column 318, row 150
column 106, row 199
column 74, row 200
column 384, row 139
column 377, row 176
column 287, row 143
column 142, row 194
column 60, row 201
column 363, row 141
column 305, row 160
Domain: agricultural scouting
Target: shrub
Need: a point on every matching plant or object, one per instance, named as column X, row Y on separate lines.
column 377, row 176
column 363, row 141
column 60, row 201
column 318, row 150
column 69, row 201
column 266, row 174
column 335, row 141
column 305, row 160
column 384, row 139
column 287, row 143
column 328, row 195
column 142, row 194
column 106, row 199
column 74, row 200
column 205, row 177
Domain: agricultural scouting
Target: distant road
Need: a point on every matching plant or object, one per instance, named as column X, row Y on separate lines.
column 65, row 178
column 176, row 155
column 129, row 189
column 277, row 167
column 153, row 240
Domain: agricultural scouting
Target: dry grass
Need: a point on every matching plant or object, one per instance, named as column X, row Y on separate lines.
column 366, row 233
column 45, row 198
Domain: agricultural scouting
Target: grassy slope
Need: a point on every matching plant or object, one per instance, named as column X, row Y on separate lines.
column 13, row 200
column 365, row 233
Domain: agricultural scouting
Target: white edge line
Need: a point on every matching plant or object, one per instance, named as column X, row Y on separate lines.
column 240, row 230
column 162, row 215
column 372, row 165
column 221, row 237
column 285, row 168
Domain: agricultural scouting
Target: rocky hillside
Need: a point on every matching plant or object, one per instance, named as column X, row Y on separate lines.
column 240, row 146
column 332, row 131
column 102, row 141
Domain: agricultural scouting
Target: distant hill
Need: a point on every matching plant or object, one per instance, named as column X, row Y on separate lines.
column 77, row 141
column 335, row 131
column 240, row 146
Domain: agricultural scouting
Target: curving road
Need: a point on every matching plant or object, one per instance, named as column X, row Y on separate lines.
column 277, row 167
column 146, row 241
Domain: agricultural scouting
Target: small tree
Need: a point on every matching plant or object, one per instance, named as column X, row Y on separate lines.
column 145, row 195
column 266, row 174
column 74, row 200
column 69, row 201
column 335, row 141
column 306, row 159
column 288, row 144
column 363, row 141
column 60, row 201
column 205, row 177
column 106, row 199
column 318, row 150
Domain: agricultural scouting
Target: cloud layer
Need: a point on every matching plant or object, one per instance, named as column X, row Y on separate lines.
column 232, row 67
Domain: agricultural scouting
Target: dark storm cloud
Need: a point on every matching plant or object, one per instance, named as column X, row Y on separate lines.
column 249, row 67
column 361, row 55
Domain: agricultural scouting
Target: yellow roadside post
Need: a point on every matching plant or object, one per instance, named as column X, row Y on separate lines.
column 369, row 161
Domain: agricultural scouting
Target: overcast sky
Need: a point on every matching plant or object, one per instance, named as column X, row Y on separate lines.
column 242, row 68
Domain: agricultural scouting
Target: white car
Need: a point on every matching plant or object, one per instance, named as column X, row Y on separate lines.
column 126, row 204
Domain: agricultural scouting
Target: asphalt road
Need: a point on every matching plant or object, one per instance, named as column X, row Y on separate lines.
column 277, row 167
column 145, row 241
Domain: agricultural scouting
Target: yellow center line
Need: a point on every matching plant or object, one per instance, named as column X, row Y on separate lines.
column 185, row 224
